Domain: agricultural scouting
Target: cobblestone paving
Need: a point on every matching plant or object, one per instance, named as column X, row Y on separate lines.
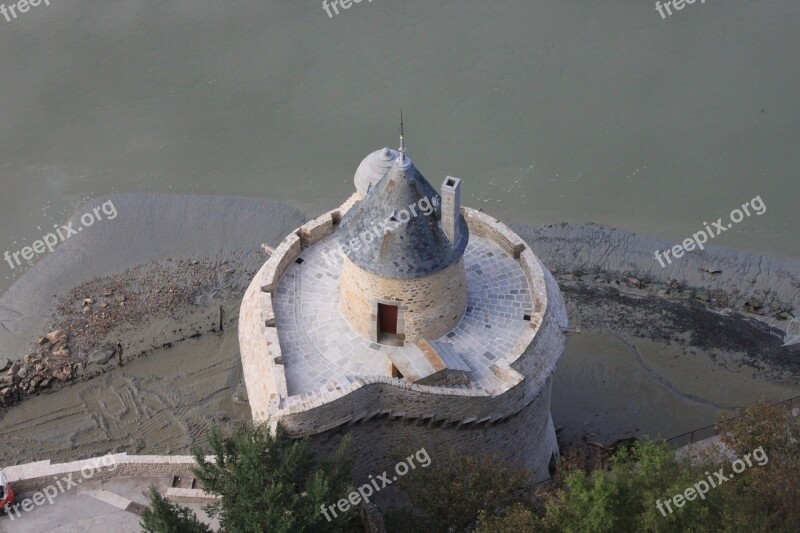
column 318, row 343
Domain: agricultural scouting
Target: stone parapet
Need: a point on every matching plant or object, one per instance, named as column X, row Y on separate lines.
column 542, row 355
column 264, row 375
column 286, row 252
column 370, row 396
column 523, row 371
column 314, row 231
column 32, row 477
column 481, row 224
column 262, row 357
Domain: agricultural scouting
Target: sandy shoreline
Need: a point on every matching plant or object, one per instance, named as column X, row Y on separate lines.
column 149, row 228
column 665, row 350
column 701, row 335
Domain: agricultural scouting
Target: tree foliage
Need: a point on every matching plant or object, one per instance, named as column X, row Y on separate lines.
column 264, row 482
column 453, row 490
column 622, row 496
column 517, row 519
column 166, row 517
column 772, row 491
column 272, row 483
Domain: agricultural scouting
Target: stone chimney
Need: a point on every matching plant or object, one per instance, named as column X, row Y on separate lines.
column 451, row 207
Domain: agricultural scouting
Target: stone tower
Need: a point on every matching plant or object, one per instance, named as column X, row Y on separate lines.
column 404, row 317
column 403, row 277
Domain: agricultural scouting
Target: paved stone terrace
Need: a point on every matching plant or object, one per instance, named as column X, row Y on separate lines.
column 318, row 344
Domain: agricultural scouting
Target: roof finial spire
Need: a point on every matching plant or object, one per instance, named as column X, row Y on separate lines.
column 402, row 137
column 402, row 161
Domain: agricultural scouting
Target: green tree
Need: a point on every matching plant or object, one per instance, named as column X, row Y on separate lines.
column 766, row 438
column 624, row 498
column 450, row 494
column 272, row 483
column 520, row 518
column 166, row 517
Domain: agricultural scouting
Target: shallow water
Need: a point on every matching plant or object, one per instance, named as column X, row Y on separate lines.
column 608, row 388
column 549, row 111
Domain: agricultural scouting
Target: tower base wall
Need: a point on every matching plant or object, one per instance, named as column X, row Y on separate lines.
column 525, row 440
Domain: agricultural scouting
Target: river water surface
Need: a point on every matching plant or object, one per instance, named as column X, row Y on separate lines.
column 549, row 111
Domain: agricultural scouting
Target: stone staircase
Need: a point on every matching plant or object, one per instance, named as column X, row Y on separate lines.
column 188, row 489
column 95, row 490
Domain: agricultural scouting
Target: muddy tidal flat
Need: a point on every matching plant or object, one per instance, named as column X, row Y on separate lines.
column 142, row 316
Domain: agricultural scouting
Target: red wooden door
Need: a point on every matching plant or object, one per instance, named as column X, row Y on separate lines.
column 387, row 319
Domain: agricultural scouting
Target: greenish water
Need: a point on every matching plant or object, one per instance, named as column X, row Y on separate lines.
column 549, row 111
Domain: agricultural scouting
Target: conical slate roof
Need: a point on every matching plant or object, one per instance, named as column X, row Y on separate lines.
column 382, row 234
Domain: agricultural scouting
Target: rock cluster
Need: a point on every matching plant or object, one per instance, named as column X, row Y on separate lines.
column 90, row 319
column 49, row 364
column 92, row 310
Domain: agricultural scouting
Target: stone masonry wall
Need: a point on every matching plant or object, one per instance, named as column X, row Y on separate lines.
column 429, row 306
column 32, row 477
column 263, row 373
column 369, row 397
column 262, row 359
column 484, row 225
column 541, row 357
column 351, row 398
column 527, row 439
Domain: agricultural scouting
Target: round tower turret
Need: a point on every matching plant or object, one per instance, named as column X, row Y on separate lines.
column 403, row 278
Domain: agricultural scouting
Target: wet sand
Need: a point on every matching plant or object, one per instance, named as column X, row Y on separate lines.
column 611, row 386
column 658, row 355
column 165, row 403
column 665, row 351
column 149, row 228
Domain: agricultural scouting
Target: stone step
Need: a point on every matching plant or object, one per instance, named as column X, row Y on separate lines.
column 189, row 496
column 105, row 496
column 186, row 482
